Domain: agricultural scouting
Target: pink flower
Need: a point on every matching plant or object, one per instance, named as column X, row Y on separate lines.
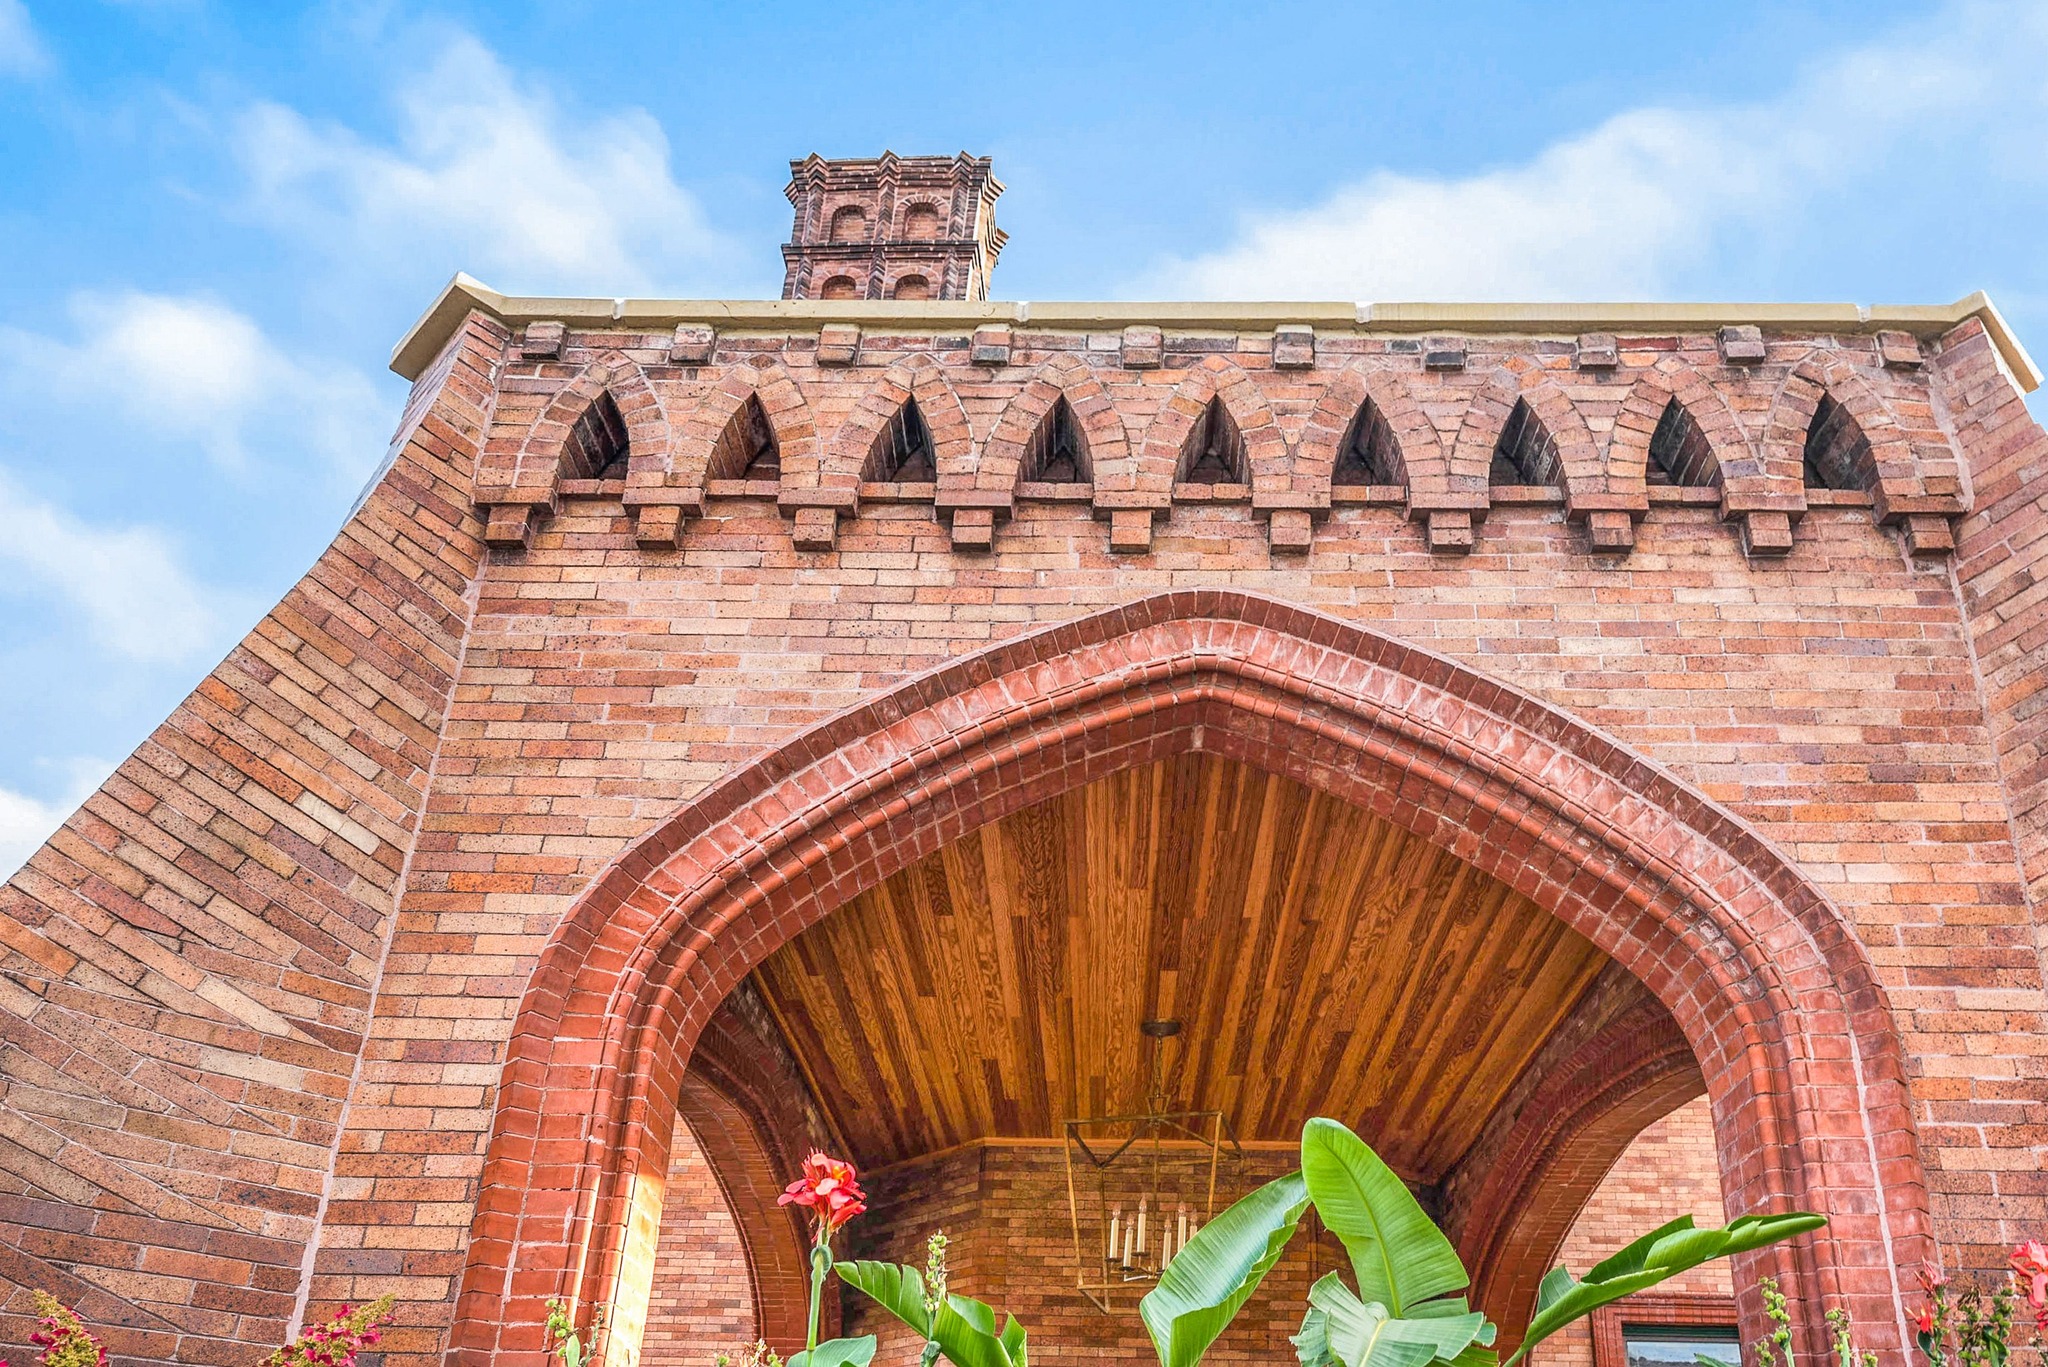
column 830, row 1188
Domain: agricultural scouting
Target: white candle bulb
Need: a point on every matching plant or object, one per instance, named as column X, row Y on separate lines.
column 1115, row 1225
column 1129, row 1231
column 1141, row 1225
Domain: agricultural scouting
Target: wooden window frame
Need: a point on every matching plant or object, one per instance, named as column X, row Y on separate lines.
column 1688, row 1311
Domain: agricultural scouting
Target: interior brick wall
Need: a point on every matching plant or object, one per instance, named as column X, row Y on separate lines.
column 703, row 1297
column 260, row 989
column 1004, row 1210
column 1670, row 1170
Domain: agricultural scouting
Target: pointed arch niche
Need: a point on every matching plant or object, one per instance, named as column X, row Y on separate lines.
column 1765, row 980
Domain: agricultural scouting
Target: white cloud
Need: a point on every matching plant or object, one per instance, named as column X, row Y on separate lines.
column 1627, row 209
column 163, row 368
column 128, row 584
column 489, row 177
column 26, row 822
column 21, row 52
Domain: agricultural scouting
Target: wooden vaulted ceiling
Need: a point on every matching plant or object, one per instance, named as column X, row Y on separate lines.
column 1323, row 961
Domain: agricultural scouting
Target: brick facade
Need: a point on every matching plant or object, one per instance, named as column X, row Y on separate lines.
column 379, row 966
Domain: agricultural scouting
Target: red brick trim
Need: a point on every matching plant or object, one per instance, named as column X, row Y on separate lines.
column 1147, row 482
column 1609, row 1348
column 837, row 481
column 1584, row 473
column 534, row 472
column 1793, row 1034
column 1737, row 467
column 991, row 481
column 1419, row 454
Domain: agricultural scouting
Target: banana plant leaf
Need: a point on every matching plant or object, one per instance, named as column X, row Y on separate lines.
column 1661, row 1254
column 1398, row 1255
column 1217, row 1270
column 837, row 1353
column 1342, row 1329
column 964, row 1328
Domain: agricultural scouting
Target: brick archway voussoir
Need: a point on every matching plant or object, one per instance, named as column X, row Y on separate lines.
column 1736, row 943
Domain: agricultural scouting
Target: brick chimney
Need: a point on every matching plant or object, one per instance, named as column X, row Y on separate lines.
column 892, row 227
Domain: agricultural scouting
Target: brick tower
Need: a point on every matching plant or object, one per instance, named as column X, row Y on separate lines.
column 892, row 227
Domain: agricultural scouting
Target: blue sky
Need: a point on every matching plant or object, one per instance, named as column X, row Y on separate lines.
column 215, row 219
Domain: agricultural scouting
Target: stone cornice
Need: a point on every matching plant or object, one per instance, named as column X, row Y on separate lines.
column 464, row 295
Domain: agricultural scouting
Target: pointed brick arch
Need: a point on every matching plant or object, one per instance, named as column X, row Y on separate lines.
column 782, row 402
column 1774, row 994
column 1141, row 486
column 1913, row 475
column 1150, row 476
column 519, row 479
column 973, row 492
column 917, row 377
column 969, row 482
column 662, row 498
column 1419, row 453
column 1737, row 465
column 1589, row 495
column 1583, row 474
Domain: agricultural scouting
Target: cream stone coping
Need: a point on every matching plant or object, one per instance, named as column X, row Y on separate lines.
column 465, row 294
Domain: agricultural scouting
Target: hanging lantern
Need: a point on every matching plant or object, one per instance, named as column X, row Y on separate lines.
column 1140, row 1186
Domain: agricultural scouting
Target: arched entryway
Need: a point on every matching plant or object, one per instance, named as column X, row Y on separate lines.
column 1765, row 981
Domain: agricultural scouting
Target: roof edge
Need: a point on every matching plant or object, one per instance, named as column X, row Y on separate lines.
column 465, row 294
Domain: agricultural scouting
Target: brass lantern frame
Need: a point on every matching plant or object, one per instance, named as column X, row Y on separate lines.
column 1101, row 1272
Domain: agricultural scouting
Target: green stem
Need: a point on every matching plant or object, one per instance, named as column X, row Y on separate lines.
column 821, row 1262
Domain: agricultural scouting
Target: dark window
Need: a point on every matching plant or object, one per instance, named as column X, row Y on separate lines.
column 598, row 446
column 1214, row 450
column 747, row 449
column 1681, row 1345
column 1057, row 454
column 1679, row 453
column 903, row 452
column 1837, row 452
column 1368, row 454
column 1525, row 454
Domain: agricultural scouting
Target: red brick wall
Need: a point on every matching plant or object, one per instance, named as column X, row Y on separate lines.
column 1669, row 1171
column 476, row 742
column 703, row 1299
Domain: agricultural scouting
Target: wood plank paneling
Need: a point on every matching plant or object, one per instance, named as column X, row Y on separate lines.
column 1324, row 961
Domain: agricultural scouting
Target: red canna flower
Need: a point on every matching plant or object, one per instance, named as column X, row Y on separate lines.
column 830, row 1188
column 1924, row 1321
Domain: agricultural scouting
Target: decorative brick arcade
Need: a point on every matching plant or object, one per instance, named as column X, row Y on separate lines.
column 397, row 957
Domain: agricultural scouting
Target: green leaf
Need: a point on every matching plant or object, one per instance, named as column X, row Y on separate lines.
column 1312, row 1344
column 896, row 1288
column 1013, row 1342
column 838, row 1353
column 964, row 1328
column 1217, row 1270
column 1398, row 1255
column 1661, row 1254
column 1364, row 1334
column 966, row 1331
